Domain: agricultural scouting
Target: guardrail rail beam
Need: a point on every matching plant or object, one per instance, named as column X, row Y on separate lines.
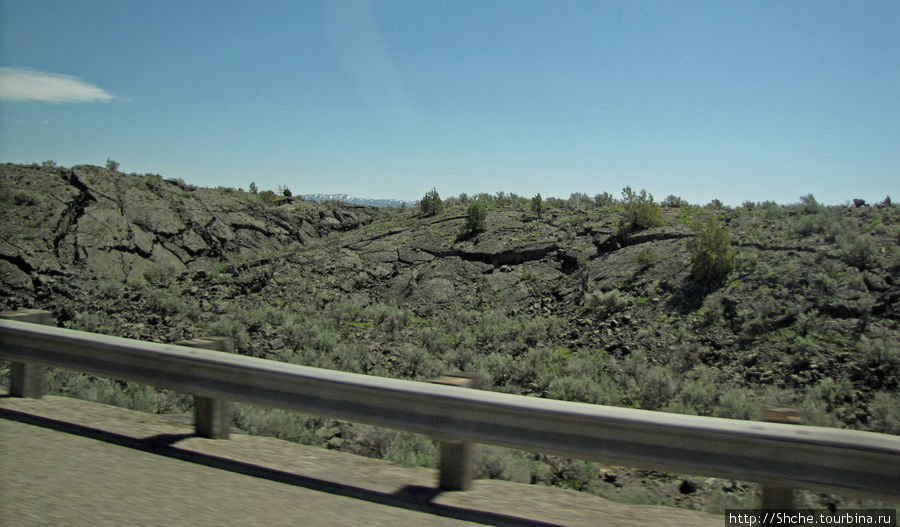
column 850, row 462
column 27, row 379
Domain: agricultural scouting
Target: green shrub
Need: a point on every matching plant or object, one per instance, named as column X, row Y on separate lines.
column 225, row 326
column 431, row 203
column 604, row 199
column 640, row 211
column 476, row 219
column 809, row 205
column 772, row 210
column 24, row 198
column 160, row 274
column 506, row 464
column 646, row 257
column 578, row 199
column 858, row 251
column 884, row 413
column 283, row 424
column 674, row 202
column 651, row 387
column 130, row 395
column 580, row 389
column 112, row 165
column 301, row 332
column 167, row 304
column 711, row 255
column 97, row 322
column 579, row 475
column 737, row 404
column 268, row 198
column 610, row 301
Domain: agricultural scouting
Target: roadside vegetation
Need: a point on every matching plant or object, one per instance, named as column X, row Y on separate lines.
column 668, row 306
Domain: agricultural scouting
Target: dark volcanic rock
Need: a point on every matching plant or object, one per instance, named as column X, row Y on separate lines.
column 564, row 306
column 102, row 224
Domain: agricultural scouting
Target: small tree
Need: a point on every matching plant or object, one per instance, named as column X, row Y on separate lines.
column 604, row 199
column 674, row 202
column 579, row 199
column 715, row 204
column 48, row 164
column 431, row 203
column 476, row 220
column 640, row 211
column 253, row 188
column 283, row 190
column 537, row 205
column 711, row 255
column 809, row 204
column 112, row 165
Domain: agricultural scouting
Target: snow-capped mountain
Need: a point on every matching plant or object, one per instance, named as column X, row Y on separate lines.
column 346, row 198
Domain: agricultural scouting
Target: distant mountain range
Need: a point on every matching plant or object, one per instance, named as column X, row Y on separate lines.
column 346, row 198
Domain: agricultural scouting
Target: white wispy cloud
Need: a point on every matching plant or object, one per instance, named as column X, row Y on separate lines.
column 28, row 85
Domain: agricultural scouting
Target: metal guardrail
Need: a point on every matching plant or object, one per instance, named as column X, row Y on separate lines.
column 856, row 463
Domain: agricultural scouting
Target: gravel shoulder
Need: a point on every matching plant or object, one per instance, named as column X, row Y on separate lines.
column 70, row 462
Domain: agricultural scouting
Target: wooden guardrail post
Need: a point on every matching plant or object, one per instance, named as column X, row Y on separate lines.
column 778, row 496
column 457, row 465
column 212, row 417
column 26, row 379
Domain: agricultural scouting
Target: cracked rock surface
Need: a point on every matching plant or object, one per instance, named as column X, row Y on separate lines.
column 562, row 306
column 99, row 224
column 827, row 278
column 812, row 300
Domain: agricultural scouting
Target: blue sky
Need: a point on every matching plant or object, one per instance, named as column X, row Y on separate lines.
column 732, row 100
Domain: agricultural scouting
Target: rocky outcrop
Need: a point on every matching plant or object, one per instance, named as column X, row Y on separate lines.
column 105, row 225
column 813, row 297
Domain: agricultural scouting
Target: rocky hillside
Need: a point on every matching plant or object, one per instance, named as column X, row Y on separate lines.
column 89, row 223
column 568, row 305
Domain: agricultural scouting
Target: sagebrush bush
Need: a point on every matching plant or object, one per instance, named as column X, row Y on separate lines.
column 507, row 464
column 646, row 257
column 858, row 251
column 884, row 413
column 652, row 387
column 711, row 255
column 611, row 301
column 737, row 404
column 24, row 198
column 226, row 326
column 580, row 389
column 268, row 198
